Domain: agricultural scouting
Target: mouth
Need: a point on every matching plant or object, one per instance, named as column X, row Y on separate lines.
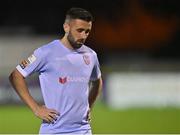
column 80, row 42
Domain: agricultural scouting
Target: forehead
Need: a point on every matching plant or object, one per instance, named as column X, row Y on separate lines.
column 78, row 23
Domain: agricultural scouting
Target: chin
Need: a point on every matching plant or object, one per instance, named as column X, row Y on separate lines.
column 77, row 46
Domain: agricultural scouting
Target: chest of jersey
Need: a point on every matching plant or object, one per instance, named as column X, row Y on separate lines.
column 73, row 64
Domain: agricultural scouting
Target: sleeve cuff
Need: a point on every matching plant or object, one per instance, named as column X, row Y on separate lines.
column 21, row 71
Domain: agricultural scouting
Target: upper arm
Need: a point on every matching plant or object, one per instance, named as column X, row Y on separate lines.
column 33, row 63
column 97, row 83
column 15, row 75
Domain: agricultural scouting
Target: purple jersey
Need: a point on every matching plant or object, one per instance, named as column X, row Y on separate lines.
column 64, row 76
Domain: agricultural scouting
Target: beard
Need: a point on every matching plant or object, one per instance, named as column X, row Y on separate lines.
column 75, row 44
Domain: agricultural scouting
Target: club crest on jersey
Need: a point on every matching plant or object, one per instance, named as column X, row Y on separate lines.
column 29, row 60
column 86, row 59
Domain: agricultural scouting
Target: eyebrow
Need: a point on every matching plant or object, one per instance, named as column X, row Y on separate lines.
column 83, row 29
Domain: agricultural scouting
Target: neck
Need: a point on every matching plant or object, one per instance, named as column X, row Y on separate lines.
column 66, row 43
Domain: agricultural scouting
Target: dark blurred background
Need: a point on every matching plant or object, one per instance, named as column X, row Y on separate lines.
column 127, row 27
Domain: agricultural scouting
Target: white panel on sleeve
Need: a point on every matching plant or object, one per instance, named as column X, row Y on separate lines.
column 24, row 73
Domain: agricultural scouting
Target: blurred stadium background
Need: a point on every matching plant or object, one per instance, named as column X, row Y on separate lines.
column 137, row 42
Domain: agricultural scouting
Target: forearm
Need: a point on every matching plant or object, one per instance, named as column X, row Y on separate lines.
column 95, row 90
column 19, row 84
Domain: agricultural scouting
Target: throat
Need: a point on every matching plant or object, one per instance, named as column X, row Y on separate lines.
column 66, row 43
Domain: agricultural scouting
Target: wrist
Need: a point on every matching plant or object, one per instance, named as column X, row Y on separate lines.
column 35, row 110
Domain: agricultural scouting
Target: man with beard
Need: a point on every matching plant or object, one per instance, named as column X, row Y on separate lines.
column 66, row 67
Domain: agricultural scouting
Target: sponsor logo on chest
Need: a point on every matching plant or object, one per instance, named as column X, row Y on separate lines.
column 64, row 80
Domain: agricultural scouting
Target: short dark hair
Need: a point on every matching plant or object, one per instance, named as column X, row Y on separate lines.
column 79, row 13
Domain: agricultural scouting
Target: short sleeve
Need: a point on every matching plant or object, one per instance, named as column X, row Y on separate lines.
column 96, row 72
column 32, row 64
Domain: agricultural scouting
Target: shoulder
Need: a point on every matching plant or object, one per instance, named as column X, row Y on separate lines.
column 49, row 46
column 87, row 49
column 45, row 49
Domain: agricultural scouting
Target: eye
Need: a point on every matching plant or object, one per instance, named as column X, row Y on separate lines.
column 80, row 30
column 87, row 31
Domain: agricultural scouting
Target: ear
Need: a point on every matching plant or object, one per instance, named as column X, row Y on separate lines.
column 66, row 27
